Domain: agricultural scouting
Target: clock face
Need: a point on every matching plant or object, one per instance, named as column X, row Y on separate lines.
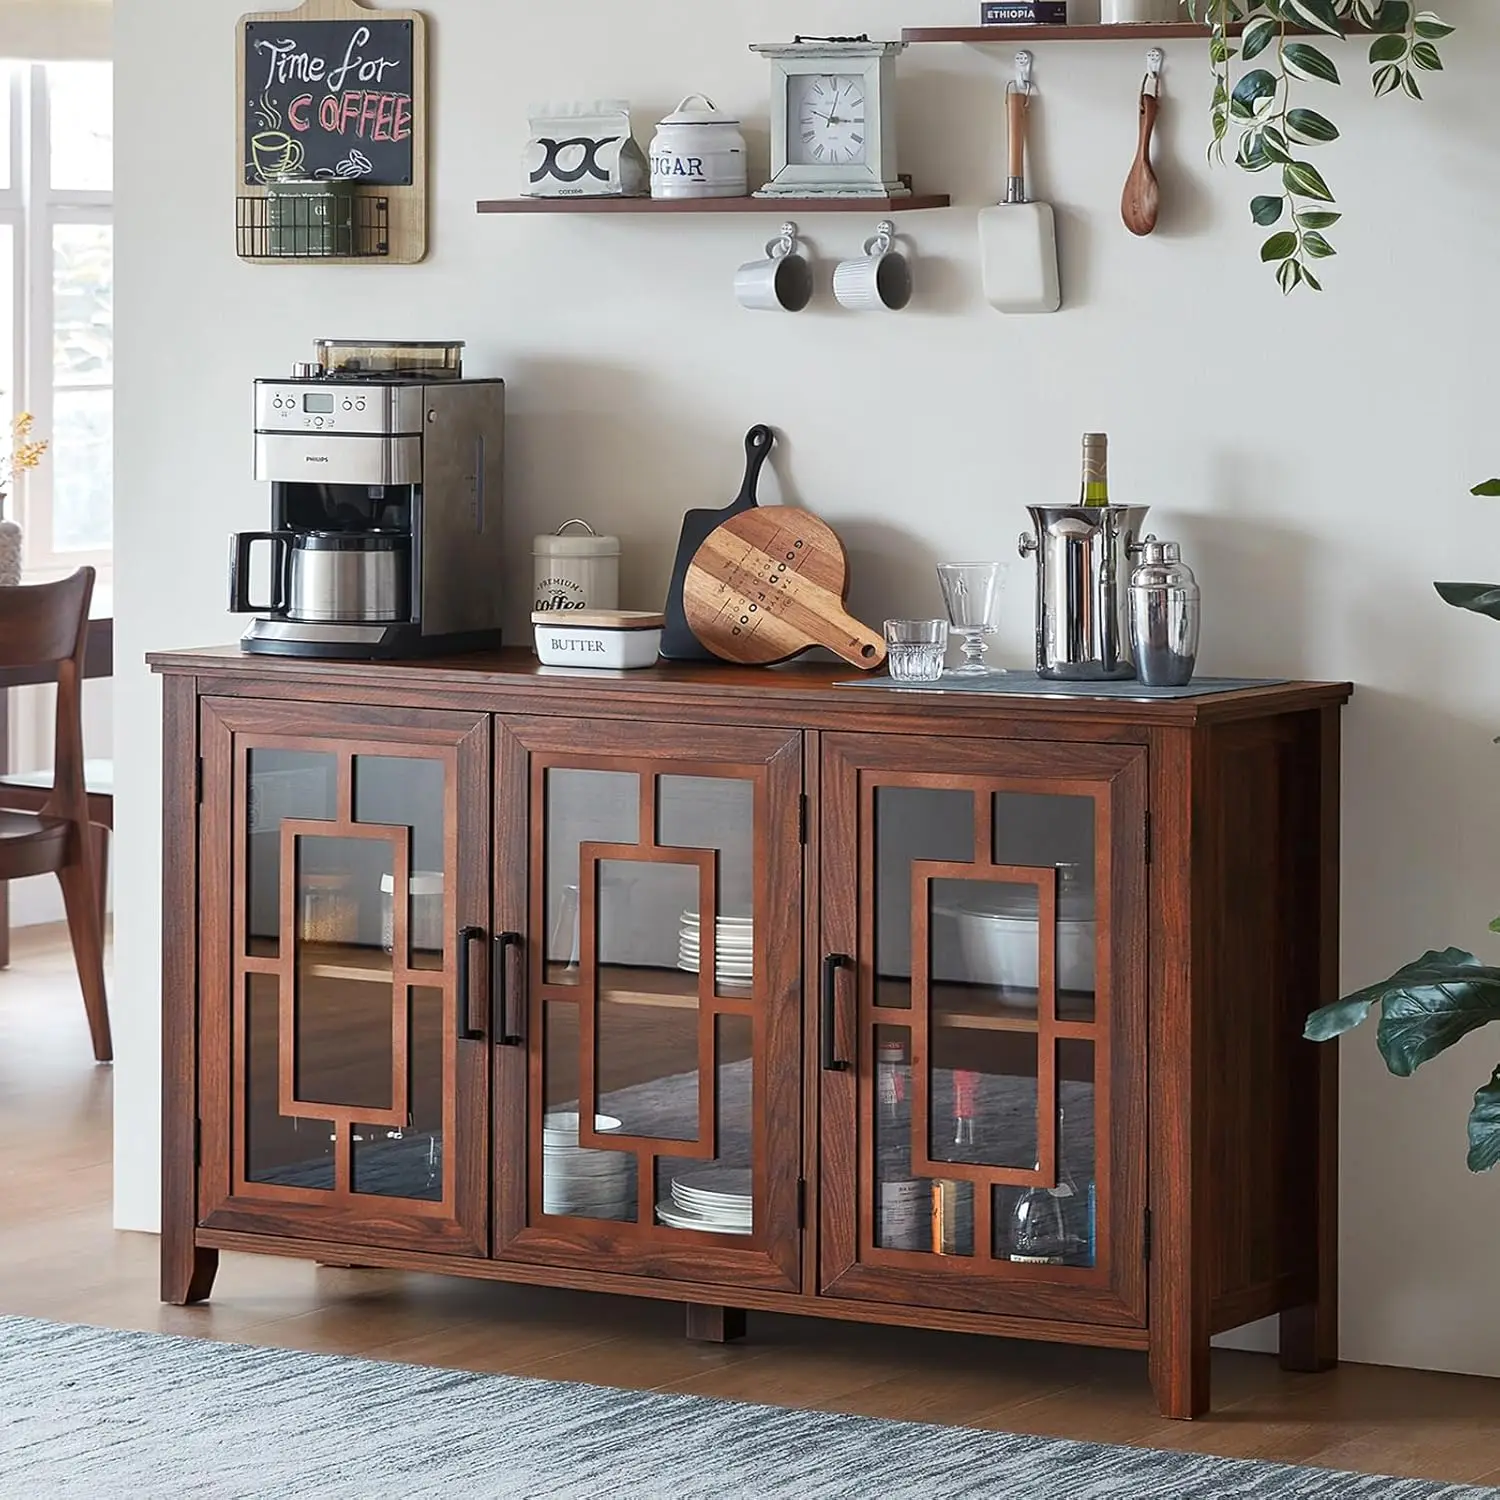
column 826, row 120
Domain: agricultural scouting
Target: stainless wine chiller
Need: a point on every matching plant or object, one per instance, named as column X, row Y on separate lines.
column 1084, row 556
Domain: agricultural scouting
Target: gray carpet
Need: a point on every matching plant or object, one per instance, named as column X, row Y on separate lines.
column 88, row 1412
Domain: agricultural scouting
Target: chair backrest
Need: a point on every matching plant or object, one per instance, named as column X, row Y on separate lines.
column 43, row 623
column 47, row 624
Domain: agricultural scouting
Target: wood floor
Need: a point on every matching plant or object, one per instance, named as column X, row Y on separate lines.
column 60, row 1259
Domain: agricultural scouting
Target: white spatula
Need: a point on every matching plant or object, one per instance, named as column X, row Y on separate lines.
column 1018, row 239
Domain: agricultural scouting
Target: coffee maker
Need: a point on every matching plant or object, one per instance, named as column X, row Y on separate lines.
column 385, row 472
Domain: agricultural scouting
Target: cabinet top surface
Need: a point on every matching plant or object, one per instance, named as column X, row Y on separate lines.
column 799, row 689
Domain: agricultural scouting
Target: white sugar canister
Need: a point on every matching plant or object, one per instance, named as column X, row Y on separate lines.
column 576, row 570
column 698, row 153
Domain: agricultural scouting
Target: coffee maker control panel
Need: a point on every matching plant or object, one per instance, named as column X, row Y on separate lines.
column 310, row 406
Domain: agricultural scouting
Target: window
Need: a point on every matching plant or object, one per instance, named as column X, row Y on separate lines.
column 57, row 302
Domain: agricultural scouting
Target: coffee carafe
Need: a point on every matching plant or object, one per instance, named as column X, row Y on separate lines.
column 330, row 577
column 385, row 473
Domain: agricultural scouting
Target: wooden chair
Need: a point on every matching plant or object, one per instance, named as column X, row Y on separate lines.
column 27, row 791
column 47, row 625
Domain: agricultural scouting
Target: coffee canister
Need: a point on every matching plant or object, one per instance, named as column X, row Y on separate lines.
column 576, row 570
column 698, row 153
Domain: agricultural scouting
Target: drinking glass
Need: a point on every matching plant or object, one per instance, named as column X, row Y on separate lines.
column 914, row 649
column 972, row 593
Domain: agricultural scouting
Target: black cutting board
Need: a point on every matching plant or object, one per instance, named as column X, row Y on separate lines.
column 678, row 643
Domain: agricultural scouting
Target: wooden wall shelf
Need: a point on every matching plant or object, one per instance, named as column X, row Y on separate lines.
column 782, row 206
column 1131, row 32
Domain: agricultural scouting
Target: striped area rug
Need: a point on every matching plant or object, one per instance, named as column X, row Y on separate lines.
column 90, row 1412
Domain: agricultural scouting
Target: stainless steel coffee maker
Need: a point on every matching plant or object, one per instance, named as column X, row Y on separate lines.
column 1084, row 556
column 385, row 474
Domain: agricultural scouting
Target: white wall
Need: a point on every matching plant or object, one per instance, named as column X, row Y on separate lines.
column 1313, row 455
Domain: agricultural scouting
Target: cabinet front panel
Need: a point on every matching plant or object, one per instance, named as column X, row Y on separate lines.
column 983, row 1056
column 335, row 977
column 661, row 1119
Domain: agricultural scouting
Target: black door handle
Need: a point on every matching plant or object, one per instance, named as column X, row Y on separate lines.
column 506, row 1034
column 832, row 963
column 466, row 937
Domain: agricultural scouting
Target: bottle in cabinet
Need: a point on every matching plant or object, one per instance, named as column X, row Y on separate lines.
column 1055, row 1226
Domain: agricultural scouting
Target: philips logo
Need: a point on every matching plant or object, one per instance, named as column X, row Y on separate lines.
column 314, row 459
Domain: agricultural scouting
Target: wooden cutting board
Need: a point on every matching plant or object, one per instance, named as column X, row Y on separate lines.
column 770, row 583
column 678, row 643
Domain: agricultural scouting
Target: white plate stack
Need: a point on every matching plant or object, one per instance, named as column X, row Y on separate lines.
column 717, row 1201
column 577, row 1180
column 735, row 944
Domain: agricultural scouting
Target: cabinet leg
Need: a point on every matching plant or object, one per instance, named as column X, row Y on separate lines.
column 1310, row 1338
column 1180, row 1377
column 714, row 1325
column 1310, row 1334
column 187, row 1275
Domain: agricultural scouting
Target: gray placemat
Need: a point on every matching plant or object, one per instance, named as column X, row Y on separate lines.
column 1029, row 685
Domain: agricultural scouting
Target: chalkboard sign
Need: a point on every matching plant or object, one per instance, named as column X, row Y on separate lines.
column 330, row 99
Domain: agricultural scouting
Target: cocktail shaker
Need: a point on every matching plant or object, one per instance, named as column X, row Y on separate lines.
column 1166, row 608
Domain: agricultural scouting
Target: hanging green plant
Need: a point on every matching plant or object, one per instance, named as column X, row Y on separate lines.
column 1273, row 133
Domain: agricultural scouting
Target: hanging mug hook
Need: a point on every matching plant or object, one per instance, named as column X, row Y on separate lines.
column 1155, row 61
column 1024, row 64
column 883, row 238
column 784, row 244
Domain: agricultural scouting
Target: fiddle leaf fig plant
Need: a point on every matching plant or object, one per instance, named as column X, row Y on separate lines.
column 1427, row 1006
column 1273, row 133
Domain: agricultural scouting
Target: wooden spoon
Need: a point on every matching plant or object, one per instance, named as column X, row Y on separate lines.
column 1142, row 197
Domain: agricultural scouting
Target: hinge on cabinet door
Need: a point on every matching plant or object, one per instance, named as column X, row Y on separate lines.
column 198, row 782
column 1146, row 1235
column 802, row 819
column 801, row 1202
column 1146, row 836
column 197, row 1143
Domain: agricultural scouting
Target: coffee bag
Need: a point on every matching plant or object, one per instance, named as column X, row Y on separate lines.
column 583, row 150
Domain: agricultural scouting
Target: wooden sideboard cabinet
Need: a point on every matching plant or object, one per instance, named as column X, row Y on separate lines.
column 748, row 990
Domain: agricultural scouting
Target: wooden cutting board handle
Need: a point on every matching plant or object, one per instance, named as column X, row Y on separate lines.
column 770, row 583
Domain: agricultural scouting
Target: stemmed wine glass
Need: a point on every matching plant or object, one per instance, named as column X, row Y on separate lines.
column 971, row 592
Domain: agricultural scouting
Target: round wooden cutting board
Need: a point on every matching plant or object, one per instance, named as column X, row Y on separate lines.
column 770, row 583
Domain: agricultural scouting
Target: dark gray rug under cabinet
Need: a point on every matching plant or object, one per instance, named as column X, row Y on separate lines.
column 91, row 1412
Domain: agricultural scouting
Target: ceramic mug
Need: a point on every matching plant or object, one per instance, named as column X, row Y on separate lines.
column 879, row 280
column 780, row 283
column 276, row 154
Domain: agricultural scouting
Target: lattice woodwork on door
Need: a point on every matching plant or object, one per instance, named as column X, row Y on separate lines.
column 1048, row 1027
column 591, row 991
column 923, row 873
column 391, row 971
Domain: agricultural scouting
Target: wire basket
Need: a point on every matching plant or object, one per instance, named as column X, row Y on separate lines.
column 319, row 224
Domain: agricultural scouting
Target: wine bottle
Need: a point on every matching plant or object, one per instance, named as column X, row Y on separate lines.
column 1095, row 470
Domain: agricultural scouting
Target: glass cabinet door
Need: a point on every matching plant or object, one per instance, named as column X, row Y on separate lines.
column 664, row 913
column 984, row 1041
column 340, row 939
